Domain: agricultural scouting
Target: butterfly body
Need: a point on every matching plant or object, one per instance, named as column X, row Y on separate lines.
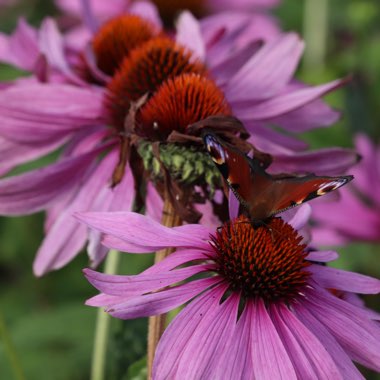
column 261, row 194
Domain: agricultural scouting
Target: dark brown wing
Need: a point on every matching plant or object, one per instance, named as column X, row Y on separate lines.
column 293, row 191
column 260, row 193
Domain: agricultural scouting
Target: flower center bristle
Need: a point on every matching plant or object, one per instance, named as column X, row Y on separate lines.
column 144, row 70
column 116, row 38
column 178, row 103
column 266, row 261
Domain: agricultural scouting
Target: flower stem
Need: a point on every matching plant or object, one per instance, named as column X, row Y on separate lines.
column 315, row 30
column 98, row 365
column 156, row 325
column 10, row 351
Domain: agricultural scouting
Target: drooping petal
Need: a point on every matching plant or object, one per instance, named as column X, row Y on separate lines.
column 13, row 154
column 315, row 114
column 51, row 45
column 267, row 72
column 322, row 256
column 160, row 302
column 200, row 357
column 66, row 236
column 143, row 231
column 329, row 161
column 37, row 189
column 21, row 48
column 344, row 280
column 283, row 103
column 189, row 34
column 176, row 336
column 266, row 347
column 128, row 286
column 238, row 352
column 343, row 362
column 36, row 112
column 309, row 356
column 301, row 217
column 350, row 326
column 147, row 11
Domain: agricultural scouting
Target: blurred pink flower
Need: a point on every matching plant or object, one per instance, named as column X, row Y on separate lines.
column 355, row 216
column 63, row 105
column 261, row 308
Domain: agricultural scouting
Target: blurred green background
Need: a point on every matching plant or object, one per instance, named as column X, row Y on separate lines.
column 45, row 320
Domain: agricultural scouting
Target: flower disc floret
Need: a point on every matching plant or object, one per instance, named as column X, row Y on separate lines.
column 144, row 70
column 266, row 261
column 117, row 38
column 178, row 103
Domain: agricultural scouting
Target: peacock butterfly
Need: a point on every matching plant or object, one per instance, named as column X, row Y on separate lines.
column 261, row 194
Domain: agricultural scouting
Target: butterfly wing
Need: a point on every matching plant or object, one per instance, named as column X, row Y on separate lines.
column 260, row 193
column 293, row 191
column 245, row 176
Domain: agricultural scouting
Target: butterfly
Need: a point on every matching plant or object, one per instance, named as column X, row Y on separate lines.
column 261, row 194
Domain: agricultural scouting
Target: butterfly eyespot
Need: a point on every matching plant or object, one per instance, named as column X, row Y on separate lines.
column 327, row 187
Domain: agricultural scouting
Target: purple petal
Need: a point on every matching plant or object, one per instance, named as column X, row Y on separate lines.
column 231, row 63
column 147, row 11
column 233, row 205
column 101, row 9
column 119, row 198
column 66, row 237
column 128, row 286
column 330, row 215
column 20, row 49
column 367, row 173
column 283, row 103
column 322, row 256
column 35, row 112
column 330, row 161
column 267, row 347
column 301, row 217
column 267, row 72
column 349, row 324
column 160, row 302
column 153, row 203
column 177, row 335
column 37, row 189
column 316, row 114
column 309, row 356
column 200, row 358
column 344, row 280
column 140, row 230
column 189, row 34
column 14, row 154
column 271, row 141
column 343, row 362
column 236, row 362
column 52, row 46
column 88, row 15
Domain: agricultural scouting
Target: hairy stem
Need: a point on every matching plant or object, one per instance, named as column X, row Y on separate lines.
column 98, row 365
column 156, row 325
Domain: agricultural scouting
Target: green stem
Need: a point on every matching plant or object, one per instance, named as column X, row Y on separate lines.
column 10, row 351
column 99, row 353
column 315, row 29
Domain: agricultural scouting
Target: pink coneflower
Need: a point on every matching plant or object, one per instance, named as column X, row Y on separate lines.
column 355, row 216
column 72, row 104
column 258, row 304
